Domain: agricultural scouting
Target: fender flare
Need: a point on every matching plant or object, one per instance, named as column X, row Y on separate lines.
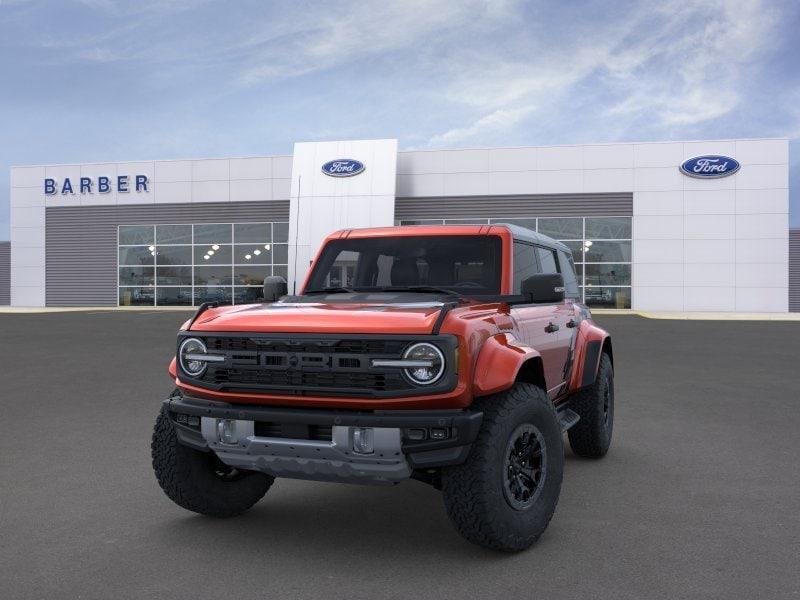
column 499, row 362
column 592, row 343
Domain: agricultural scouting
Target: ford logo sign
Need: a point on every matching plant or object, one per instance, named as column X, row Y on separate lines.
column 710, row 166
column 343, row 167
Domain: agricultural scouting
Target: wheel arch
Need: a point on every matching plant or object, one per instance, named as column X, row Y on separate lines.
column 502, row 361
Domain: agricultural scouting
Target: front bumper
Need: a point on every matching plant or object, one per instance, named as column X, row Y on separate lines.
column 292, row 454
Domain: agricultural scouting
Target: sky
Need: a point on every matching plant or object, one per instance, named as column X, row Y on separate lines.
column 101, row 80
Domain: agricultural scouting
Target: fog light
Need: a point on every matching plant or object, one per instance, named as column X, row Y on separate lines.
column 226, row 430
column 363, row 440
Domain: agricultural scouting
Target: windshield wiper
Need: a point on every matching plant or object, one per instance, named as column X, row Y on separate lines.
column 419, row 288
column 330, row 290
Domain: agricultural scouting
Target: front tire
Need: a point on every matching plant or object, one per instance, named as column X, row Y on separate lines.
column 199, row 481
column 504, row 495
column 591, row 436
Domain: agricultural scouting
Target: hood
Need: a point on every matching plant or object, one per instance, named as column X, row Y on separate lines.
column 411, row 318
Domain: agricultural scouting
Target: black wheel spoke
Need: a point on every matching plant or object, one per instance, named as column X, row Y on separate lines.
column 525, row 461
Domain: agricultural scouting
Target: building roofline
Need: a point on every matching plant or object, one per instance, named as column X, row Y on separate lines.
column 403, row 151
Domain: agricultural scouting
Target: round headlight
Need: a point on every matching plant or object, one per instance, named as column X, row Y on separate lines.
column 195, row 368
column 425, row 353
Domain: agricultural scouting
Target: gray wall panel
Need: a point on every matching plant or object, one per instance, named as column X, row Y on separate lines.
column 5, row 273
column 82, row 241
column 508, row 207
column 794, row 270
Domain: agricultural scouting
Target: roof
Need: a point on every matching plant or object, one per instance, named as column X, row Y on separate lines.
column 517, row 232
column 528, row 235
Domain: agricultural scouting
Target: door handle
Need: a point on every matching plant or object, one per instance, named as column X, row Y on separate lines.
column 551, row 327
column 571, row 323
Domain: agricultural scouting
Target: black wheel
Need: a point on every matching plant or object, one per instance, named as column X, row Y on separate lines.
column 199, row 481
column 591, row 436
column 506, row 492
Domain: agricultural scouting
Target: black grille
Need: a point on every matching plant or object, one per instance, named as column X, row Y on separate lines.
column 354, row 346
column 294, row 431
column 303, row 365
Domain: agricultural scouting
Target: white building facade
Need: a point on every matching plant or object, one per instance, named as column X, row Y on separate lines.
column 645, row 233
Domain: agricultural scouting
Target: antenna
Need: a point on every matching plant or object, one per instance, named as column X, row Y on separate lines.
column 296, row 237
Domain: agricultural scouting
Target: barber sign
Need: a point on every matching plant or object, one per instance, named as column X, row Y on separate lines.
column 343, row 167
column 710, row 166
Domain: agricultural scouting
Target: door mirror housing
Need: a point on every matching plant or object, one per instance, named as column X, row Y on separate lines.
column 274, row 288
column 544, row 288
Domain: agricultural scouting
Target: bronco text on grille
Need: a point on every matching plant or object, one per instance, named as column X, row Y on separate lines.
column 310, row 365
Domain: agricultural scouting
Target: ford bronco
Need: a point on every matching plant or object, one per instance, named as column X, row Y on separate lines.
column 453, row 355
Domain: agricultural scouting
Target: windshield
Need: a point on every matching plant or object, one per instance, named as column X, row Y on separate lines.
column 468, row 264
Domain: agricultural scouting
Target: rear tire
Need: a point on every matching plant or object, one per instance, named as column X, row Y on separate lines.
column 504, row 495
column 199, row 481
column 591, row 436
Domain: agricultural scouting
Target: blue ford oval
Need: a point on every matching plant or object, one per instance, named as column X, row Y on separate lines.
column 710, row 166
column 343, row 167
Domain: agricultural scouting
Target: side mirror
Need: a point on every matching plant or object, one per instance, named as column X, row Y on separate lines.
column 545, row 288
column 274, row 288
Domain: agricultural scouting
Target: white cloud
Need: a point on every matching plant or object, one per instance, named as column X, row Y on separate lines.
column 674, row 64
column 497, row 121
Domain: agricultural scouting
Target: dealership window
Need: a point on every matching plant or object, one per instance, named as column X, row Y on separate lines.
column 601, row 251
column 188, row 264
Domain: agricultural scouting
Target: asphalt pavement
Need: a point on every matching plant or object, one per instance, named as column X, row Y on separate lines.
column 699, row 496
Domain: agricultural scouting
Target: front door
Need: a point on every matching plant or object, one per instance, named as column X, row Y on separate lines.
column 542, row 326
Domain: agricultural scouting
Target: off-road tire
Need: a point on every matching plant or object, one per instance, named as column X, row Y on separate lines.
column 188, row 476
column 591, row 436
column 473, row 492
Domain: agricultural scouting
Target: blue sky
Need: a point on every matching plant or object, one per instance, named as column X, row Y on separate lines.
column 104, row 80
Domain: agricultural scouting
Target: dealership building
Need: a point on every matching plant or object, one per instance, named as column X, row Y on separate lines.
column 665, row 226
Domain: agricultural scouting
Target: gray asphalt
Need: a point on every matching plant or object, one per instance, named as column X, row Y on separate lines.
column 699, row 496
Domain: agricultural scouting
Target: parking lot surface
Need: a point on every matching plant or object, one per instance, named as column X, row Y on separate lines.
column 699, row 496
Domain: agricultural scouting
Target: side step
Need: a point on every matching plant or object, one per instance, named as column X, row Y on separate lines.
column 567, row 418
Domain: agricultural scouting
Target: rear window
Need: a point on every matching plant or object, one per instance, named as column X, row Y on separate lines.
column 461, row 263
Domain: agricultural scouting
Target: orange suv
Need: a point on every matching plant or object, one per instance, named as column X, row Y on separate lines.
column 453, row 355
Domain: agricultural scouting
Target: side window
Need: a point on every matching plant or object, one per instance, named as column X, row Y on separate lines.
column 525, row 264
column 547, row 258
column 568, row 270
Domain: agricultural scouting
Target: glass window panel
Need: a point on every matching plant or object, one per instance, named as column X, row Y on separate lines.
column 174, row 296
column 252, row 233
column 608, row 228
column 173, row 275
column 280, row 232
column 212, row 233
column 173, row 234
column 577, row 250
column 608, row 274
column 525, row 264
column 135, row 234
column 607, row 297
column 568, row 271
column 250, row 275
column 248, row 295
column 280, row 254
column 136, row 255
column 608, row 251
column 212, row 294
column 220, row 275
column 219, row 256
column 281, row 272
column 562, row 228
column 255, row 254
column 136, row 276
column 547, row 260
column 174, row 255
column 526, row 223
column 579, row 273
column 466, row 222
column 136, row 296
column 423, row 222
